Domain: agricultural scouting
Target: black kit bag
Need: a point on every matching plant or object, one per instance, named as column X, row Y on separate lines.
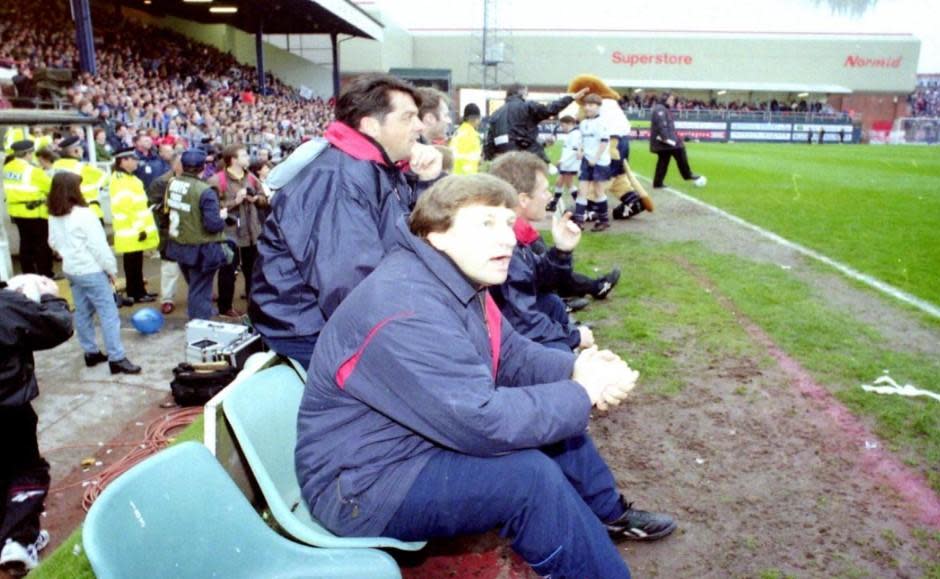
column 194, row 388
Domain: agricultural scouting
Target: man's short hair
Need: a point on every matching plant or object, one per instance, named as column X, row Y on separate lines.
column 514, row 89
column 431, row 100
column 369, row 96
column 568, row 120
column 518, row 168
column 436, row 208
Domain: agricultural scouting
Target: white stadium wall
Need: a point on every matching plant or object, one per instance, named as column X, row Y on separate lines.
column 827, row 63
column 290, row 68
column 882, row 63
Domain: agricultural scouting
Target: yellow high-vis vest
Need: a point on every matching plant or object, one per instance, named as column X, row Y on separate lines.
column 467, row 150
column 131, row 218
column 26, row 188
column 92, row 180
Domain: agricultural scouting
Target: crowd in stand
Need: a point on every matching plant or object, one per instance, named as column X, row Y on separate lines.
column 647, row 100
column 925, row 102
column 153, row 79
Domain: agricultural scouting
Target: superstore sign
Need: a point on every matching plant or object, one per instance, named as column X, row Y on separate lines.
column 658, row 59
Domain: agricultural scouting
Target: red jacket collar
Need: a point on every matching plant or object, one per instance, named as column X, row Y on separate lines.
column 358, row 145
column 525, row 233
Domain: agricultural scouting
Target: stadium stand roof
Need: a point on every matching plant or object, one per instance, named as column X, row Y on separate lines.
column 276, row 16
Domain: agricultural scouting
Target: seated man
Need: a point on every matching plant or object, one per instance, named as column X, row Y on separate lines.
column 527, row 298
column 332, row 222
column 426, row 415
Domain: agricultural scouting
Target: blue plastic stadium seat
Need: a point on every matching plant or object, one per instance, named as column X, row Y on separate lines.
column 262, row 411
column 179, row 515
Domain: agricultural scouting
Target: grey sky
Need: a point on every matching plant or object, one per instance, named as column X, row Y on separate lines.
column 917, row 17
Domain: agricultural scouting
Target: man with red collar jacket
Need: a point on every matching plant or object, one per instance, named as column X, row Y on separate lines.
column 332, row 223
column 527, row 298
column 427, row 415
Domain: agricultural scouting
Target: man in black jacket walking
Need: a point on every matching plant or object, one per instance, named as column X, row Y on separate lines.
column 515, row 126
column 34, row 318
column 667, row 144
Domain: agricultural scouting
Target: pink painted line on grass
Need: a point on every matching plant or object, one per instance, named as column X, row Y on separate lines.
column 912, row 486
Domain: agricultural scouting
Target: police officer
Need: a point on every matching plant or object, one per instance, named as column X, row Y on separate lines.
column 93, row 178
column 27, row 187
column 135, row 230
column 197, row 240
column 515, row 126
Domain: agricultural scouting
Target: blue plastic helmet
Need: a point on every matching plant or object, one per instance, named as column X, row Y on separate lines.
column 147, row 320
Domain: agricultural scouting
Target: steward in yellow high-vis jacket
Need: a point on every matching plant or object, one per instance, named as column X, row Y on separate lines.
column 26, row 188
column 92, row 177
column 466, row 142
column 135, row 230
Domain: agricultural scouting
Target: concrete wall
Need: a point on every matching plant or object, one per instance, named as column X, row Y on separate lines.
column 288, row 67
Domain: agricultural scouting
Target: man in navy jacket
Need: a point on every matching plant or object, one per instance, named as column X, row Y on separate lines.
column 332, row 223
column 426, row 415
column 528, row 297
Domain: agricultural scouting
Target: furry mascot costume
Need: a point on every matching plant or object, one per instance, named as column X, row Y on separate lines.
column 625, row 186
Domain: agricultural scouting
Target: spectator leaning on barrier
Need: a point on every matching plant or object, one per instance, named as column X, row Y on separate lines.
column 427, row 415
column 334, row 219
column 34, row 318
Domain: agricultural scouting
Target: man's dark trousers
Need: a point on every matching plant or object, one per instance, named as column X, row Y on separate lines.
column 662, row 165
column 550, row 502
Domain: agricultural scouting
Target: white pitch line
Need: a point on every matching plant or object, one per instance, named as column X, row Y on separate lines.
column 876, row 283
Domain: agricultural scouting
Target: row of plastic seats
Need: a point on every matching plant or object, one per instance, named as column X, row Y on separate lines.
column 178, row 514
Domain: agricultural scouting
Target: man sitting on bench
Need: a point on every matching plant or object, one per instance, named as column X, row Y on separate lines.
column 426, row 415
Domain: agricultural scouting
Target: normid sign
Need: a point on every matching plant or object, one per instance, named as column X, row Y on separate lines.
column 855, row 61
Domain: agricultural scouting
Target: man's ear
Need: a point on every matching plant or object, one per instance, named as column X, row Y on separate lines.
column 370, row 126
column 429, row 119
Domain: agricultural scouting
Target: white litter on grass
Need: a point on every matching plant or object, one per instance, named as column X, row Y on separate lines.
column 699, row 461
column 895, row 388
column 869, row 445
column 786, row 267
column 76, row 549
column 732, row 432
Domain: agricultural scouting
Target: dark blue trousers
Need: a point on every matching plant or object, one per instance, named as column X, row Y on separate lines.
column 554, row 307
column 199, row 298
column 550, row 502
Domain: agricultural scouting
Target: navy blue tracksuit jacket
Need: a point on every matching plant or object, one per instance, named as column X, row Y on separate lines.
column 417, row 360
